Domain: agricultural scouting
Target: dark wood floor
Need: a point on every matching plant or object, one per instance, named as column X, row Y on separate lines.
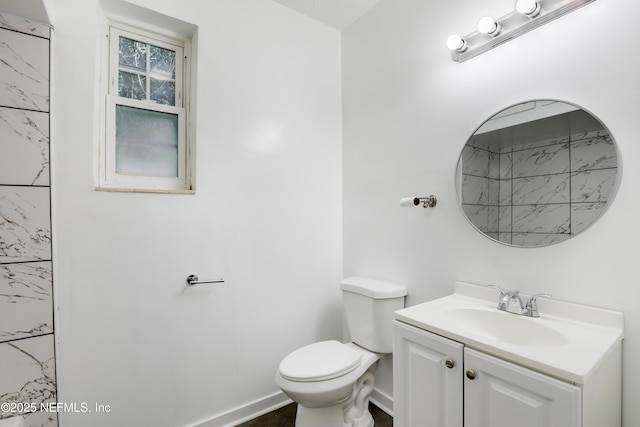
column 285, row 417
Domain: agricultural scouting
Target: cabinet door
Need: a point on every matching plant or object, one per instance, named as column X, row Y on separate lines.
column 505, row 395
column 427, row 373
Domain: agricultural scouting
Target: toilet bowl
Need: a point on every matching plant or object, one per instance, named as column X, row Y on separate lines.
column 332, row 381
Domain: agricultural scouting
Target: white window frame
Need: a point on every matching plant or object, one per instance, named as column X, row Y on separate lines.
column 108, row 178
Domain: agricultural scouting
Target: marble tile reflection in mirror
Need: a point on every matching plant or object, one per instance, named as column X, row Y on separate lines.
column 537, row 173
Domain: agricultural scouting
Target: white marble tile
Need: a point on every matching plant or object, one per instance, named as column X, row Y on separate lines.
column 494, row 165
column 506, row 165
column 503, row 237
column 41, row 419
column 537, row 239
column 23, row 25
column 593, row 152
column 493, row 219
column 475, row 161
column 25, row 227
column 478, row 216
column 593, row 186
column 27, row 371
column 493, row 198
column 24, row 147
column 24, row 71
column 474, row 190
column 541, row 161
column 541, row 189
column 26, row 307
column 506, row 192
column 553, row 219
column 505, row 219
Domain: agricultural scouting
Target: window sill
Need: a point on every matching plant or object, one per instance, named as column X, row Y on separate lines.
column 144, row 190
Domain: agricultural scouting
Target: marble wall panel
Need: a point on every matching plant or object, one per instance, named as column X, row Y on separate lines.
column 27, row 372
column 505, row 219
column 552, row 219
column 24, row 147
column 23, row 25
column 26, row 307
column 24, row 71
column 539, row 143
column 537, row 239
column 493, row 198
column 594, row 151
column 541, row 189
column 478, row 216
column 506, row 192
column 25, row 227
column 475, row 190
column 593, row 186
column 506, row 165
column 550, row 159
column 41, row 419
column 475, row 161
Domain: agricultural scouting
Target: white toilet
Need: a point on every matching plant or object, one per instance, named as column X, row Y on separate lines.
column 331, row 381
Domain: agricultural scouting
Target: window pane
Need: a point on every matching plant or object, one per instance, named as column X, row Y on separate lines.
column 133, row 54
column 163, row 91
column 146, row 142
column 132, row 86
column 163, row 63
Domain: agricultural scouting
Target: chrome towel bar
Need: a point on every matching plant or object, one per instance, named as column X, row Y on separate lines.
column 194, row 280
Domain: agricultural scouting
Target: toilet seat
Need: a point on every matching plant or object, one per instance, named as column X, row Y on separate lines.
column 319, row 362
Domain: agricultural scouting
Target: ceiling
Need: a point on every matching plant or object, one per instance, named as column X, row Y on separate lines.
column 30, row 9
column 338, row 14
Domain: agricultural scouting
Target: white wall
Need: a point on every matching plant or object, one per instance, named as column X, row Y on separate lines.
column 408, row 109
column 266, row 217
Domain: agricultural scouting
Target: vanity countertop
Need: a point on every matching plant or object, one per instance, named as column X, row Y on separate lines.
column 568, row 341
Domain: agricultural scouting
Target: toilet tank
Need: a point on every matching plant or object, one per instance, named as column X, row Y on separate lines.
column 369, row 305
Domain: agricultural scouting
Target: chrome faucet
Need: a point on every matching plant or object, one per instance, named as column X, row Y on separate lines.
column 511, row 302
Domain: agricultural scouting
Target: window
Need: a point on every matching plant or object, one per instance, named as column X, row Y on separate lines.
column 145, row 144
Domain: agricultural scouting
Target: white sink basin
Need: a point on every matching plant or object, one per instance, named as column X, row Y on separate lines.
column 568, row 340
column 496, row 325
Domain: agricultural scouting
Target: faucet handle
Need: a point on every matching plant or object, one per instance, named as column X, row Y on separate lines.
column 503, row 300
column 532, row 304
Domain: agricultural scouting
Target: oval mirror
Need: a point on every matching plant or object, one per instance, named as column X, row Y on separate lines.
column 537, row 173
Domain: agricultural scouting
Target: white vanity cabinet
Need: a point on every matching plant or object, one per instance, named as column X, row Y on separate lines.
column 427, row 379
column 439, row 383
column 458, row 362
column 501, row 394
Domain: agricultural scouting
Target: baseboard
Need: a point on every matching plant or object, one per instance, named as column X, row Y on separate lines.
column 246, row 412
column 382, row 401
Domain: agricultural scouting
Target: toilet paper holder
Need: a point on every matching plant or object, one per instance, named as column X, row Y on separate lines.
column 427, row 202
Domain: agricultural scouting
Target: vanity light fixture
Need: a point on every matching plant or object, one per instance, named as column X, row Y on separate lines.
column 456, row 43
column 529, row 8
column 489, row 26
column 528, row 14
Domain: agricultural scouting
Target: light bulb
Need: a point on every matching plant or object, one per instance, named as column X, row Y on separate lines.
column 456, row 43
column 528, row 7
column 488, row 25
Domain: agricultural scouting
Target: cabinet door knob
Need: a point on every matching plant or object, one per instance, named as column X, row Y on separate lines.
column 471, row 374
column 449, row 363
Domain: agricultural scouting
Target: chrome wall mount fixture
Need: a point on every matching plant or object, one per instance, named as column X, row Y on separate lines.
column 427, row 202
column 528, row 14
column 192, row 279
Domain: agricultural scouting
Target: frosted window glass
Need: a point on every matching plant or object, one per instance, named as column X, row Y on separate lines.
column 146, row 142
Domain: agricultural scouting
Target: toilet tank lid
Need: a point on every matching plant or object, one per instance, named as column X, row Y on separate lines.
column 373, row 288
